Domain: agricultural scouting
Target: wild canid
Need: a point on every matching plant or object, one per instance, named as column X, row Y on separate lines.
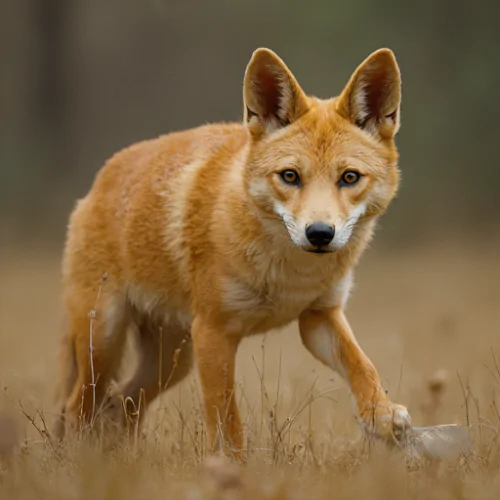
column 227, row 230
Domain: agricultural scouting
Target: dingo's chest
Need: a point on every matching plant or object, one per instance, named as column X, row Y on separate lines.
column 261, row 300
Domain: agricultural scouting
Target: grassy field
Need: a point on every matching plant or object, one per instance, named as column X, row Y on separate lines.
column 428, row 317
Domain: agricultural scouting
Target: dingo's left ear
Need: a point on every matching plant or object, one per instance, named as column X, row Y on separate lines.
column 371, row 100
column 271, row 95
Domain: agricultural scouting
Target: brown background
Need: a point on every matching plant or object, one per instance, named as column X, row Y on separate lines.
column 80, row 79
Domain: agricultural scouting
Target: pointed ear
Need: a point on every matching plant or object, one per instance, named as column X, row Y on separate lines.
column 272, row 97
column 371, row 100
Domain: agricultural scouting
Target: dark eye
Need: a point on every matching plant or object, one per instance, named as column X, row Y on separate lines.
column 349, row 177
column 290, row 177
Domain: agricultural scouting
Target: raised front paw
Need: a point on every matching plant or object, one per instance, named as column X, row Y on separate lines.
column 388, row 421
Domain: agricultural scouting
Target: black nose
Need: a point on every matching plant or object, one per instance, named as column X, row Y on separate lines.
column 320, row 234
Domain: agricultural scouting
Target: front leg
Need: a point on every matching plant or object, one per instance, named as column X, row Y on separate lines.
column 329, row 338
column 215, row 355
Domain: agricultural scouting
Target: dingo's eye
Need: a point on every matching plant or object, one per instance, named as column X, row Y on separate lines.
column 349, row 178
column 290, row 177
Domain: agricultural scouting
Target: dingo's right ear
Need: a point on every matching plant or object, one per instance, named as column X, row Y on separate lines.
column 271, row 95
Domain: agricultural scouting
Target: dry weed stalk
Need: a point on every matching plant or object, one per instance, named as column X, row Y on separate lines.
column 93, row 316
column 163, row 386
column 160, row 359
column 42, row 431
column 133, row 414
column 220, row 439
column 279, row 432
column 175, row 364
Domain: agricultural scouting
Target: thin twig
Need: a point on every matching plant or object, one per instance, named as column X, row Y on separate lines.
column 160, row 360
column 92, row 316
column 466, row 398
column 44, row 433
column 175, row 364
column 495, row 360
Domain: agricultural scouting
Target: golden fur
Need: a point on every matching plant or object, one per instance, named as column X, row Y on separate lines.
column 204, row 243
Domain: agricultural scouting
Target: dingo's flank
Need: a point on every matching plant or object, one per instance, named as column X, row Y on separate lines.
column 228, row 230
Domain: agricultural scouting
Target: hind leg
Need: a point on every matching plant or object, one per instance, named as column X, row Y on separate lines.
column 96, row 363
column 165, row 358
column 66, row 379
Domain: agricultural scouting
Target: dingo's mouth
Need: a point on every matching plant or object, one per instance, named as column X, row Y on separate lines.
column 320, row 250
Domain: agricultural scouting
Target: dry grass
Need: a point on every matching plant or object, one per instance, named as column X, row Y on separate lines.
column 429, row 319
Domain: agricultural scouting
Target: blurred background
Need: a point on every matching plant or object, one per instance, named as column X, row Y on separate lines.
column 80, row 79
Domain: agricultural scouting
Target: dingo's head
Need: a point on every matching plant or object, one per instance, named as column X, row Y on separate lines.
column 321, row 166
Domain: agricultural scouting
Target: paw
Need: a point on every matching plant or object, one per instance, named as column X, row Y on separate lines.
column 401, row 424
column 390, row 422
column 113, row 405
